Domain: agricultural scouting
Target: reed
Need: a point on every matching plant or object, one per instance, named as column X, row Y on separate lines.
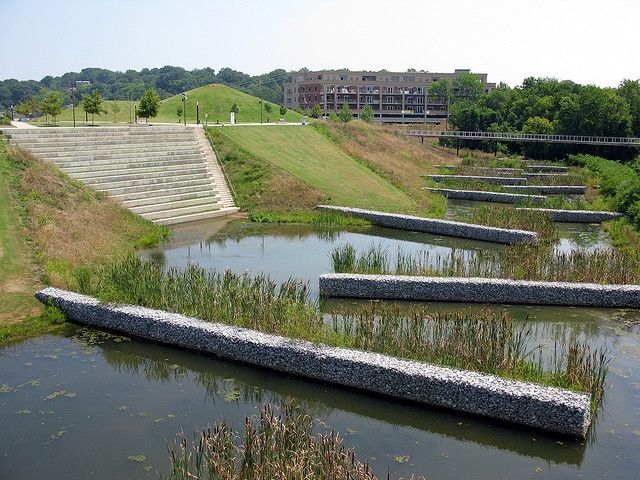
column 276, row 446
column 519, row 262
column 483, row 342
column 509, row 217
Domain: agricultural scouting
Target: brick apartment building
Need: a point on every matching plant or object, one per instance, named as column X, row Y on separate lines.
column 394, row 96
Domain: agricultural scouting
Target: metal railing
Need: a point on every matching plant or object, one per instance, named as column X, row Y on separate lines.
column 528, row 137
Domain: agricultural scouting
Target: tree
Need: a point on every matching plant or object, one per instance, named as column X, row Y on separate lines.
column 537, row 125
column 345, row 113
column 268, row 107
column 149, row 104
column 115, row 109
column 28, row 107
column 630, row 91
column 283, row 110
column 217, row 109
column 93, row 104
column 441, row 89
column 367, row 113
column 52, row 105
column 179, row 111
column 235, row 109
column 316, row 111
column 467, row 86
column 333, row 117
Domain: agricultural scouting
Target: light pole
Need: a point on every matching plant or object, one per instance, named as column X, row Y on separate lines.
column 184, row 107
column 73, row 104
column 11, row 113
column 198, row 113
column 129, row 102
column 260, row 102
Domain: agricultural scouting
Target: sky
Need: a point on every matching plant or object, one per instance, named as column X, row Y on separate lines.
column 587, row 41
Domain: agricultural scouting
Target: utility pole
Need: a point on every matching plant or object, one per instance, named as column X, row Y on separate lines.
column 184, row 108
column 73, row 104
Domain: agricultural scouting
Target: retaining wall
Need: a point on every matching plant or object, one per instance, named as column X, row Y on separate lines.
column 483, row 196
column 548, row 189
column 479, row 178
column 547, row 408
column 439, row 227
column 577, row 216
column 545, row 175
column 479, row 290
column 546, row 168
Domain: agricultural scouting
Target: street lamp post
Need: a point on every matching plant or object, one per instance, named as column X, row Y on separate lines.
column 198, row 113
column 12, row 113
column 184, row 108
column 73, row 104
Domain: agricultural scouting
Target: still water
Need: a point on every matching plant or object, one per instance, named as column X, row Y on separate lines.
column 87, row 404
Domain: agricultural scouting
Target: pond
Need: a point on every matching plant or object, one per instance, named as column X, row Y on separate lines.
column 88, row 404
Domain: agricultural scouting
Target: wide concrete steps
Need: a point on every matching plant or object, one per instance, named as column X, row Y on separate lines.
column 165, row 174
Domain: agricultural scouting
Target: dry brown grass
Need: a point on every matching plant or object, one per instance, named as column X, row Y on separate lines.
column 68, row 224
column 388, row 151
column 285, row 192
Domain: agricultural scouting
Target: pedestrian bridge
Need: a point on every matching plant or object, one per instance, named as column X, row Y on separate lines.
column 527, row 137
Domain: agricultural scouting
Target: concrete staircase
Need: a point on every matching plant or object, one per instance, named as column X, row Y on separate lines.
column 166, row 174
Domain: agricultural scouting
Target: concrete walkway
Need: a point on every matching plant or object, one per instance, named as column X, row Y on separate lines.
column 18, row 124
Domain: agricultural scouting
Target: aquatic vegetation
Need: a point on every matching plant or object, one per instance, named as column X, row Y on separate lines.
column 508, row 217
column 277, row 445
column 520, row 262
column 483, row 342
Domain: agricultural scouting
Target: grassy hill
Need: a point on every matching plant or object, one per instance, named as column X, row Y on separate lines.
column 320, row 163
column 216, row 100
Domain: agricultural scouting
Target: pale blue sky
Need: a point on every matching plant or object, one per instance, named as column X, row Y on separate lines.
column 588, row 41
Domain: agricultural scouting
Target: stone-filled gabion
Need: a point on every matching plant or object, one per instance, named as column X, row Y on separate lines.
column 440, row 227
column 522, row 403
column 548, row 189
column 483, row 196
column 479, row 290
column 577, row 216
column 479, row 178
column 546, row 168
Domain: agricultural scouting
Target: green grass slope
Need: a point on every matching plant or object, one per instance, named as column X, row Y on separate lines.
column 216, row 100
column 313, row 158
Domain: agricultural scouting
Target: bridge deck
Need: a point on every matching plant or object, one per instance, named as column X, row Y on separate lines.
column 528, row 137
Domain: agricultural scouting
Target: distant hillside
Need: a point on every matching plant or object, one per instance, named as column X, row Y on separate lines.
column 131, row 84
column 215, row 100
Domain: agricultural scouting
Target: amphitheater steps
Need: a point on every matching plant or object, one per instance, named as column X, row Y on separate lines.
column 166, row 174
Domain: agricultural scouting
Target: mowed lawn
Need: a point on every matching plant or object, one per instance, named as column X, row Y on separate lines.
column 313, row 158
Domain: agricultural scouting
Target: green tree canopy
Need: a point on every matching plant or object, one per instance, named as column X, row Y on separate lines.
column 52, row 105
column 367, row 113
column 345, row 113
column 630, row 91
column 316, row 111
column 467, row 86
column 93, row 104
column 441, row 89
column 283, row 111
column 149, row 104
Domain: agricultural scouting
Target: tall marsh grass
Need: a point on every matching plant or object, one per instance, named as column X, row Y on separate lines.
column 484, row 342
column 508, row 217
column 520, row 262
column 276, row 446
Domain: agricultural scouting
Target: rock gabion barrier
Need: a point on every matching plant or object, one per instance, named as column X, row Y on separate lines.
column 439, row 227
column 577, row 216
column 548, row 189
column 552, row 409
column 480, row 178
column 546, row 168
column 484, row 196
column 530, row 175
column 479, row 290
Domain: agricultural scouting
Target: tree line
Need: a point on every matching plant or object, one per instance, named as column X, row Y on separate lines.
column 548, row 106
column 132, row 84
